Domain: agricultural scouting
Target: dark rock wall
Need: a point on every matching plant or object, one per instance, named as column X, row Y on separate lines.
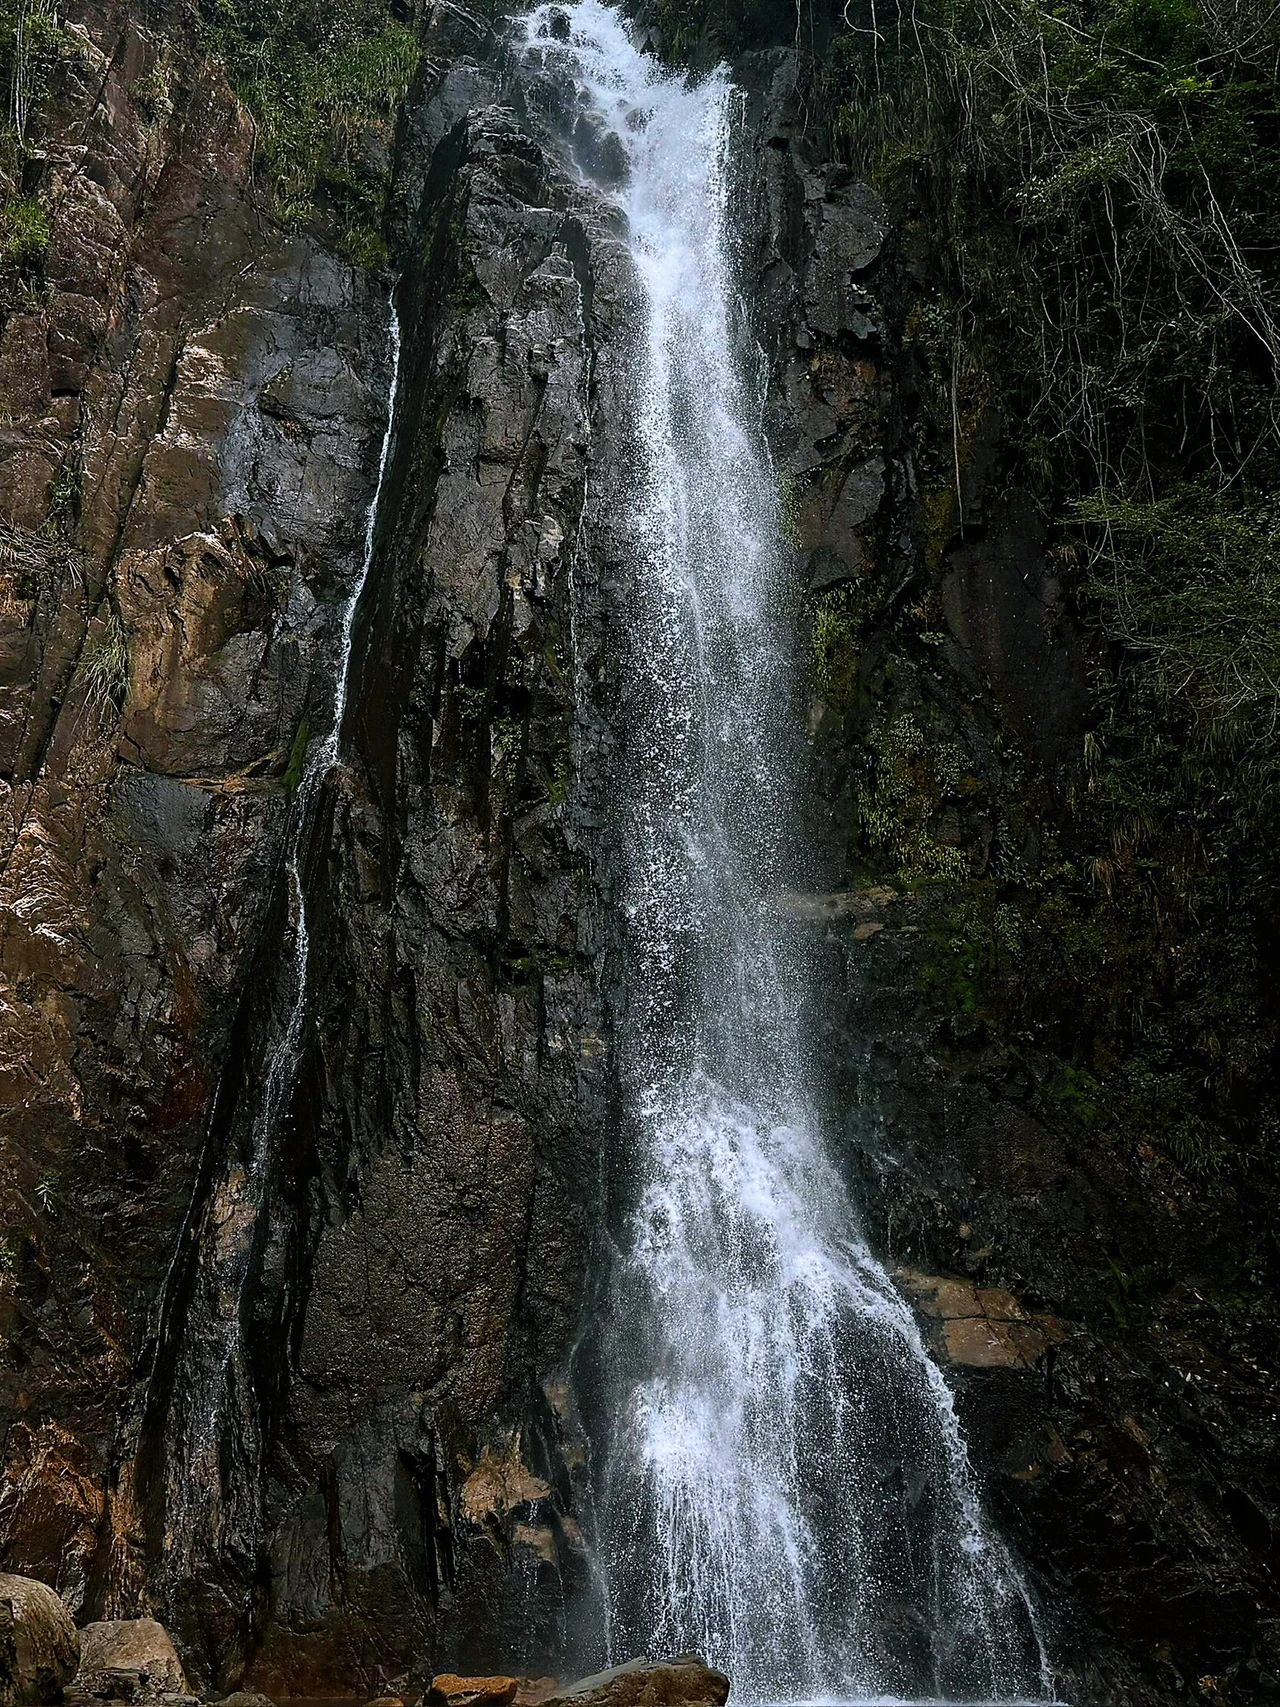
column 453, row 1097
column 1108, row 1337
column 307, row 1377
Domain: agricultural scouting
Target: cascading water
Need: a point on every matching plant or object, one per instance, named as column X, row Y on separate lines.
column 786, row 1487
column 214, row 1380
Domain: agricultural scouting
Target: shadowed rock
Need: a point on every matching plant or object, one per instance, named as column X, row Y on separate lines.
column 126, row 1657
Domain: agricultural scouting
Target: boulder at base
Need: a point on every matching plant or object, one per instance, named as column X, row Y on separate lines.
column 684, row 1682
column 38, row 1646
column 124, row 1657
column 450, row 1690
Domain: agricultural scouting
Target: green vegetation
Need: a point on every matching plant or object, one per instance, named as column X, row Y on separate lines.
column 1095, row 182
column 31, row 44
column 24, row 232
column 324, row 83
column 296, row 767
column 153, row 92
column 905, row 783
column 835, row 647
column 559, row 785
column 962, row 961
column 704, row 28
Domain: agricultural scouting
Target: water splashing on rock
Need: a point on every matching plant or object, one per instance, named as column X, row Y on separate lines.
column 786, row 1487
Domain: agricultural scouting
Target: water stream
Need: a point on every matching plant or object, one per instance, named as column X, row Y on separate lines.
column 215, row 1382
column 785, row 1487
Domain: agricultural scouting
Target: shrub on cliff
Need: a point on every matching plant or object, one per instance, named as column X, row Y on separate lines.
column 1095, row 184
column 325, row 84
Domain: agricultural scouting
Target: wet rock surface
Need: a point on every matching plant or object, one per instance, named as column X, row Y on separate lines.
column 684, row 1682
column 445, row 1151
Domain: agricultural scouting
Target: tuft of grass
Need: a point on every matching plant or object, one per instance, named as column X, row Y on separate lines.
column 324, row 85
column 909, row 775
column 836, row 648
column 296, row 768
column 24, row 232
column 105, row 662
column 152, row 93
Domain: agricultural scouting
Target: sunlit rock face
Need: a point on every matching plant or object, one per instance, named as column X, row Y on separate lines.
column 193, row 410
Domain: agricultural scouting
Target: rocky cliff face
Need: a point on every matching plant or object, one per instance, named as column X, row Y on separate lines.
column 302, row 1384
column 193, row 405
column 1104, row 1324
column 298, row 1369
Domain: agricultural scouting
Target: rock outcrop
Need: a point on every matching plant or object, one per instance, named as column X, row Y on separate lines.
column 983, row 1327
column 38, row 1644
column 449, row 1690
column 684, row 1682
column 125, row 1659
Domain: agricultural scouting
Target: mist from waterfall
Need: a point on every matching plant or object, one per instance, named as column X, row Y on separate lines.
column 785, row 1485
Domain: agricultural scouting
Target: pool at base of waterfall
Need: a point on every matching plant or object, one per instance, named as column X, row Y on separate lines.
column 913, row 1701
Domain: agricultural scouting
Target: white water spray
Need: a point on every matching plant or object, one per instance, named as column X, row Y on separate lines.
column 321, row 758
column 786, row 1486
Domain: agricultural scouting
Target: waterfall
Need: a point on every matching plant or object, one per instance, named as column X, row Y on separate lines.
column 785, row 1486
column 214, row 1382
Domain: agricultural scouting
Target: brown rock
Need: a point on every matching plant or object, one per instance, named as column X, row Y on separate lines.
column 539, row 1539
column 38, row 1646
column 499, row 1483
column 980, row 1344
column 980, row 1327
column 123, row 1657
column 683, row 1682
column 450, row 1690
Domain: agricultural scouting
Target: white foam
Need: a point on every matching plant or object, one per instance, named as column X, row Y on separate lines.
column 773, row 1394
